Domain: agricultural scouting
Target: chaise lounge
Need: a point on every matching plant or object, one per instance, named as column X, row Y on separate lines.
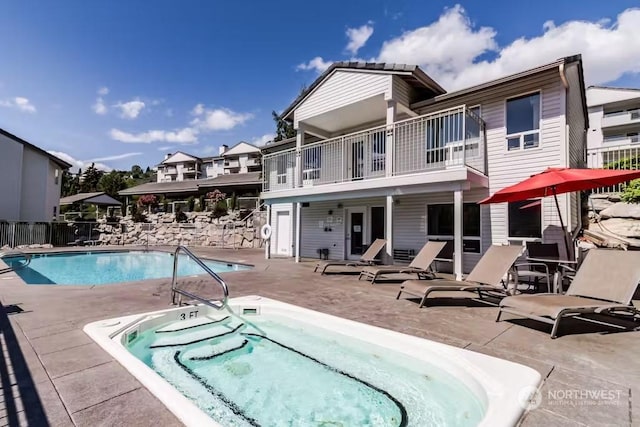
column 367, row 258
column 421, row 264
column 486, row 276
column 604, row 284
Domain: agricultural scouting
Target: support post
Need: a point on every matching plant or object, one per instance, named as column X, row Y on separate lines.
column 267, row 244
column 388, row 229
column 457, row 234
column 392, row 108
column 299, row 144
column 298, row 231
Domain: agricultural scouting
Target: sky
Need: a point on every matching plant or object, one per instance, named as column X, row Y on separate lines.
column 120, row 83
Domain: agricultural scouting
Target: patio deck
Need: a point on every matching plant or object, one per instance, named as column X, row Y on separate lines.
column 54, row 374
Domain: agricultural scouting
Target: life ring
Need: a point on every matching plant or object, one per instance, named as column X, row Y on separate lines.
column 265, row 232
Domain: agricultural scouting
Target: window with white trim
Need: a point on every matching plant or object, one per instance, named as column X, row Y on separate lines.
column 525, row 219
column 440, row 224
column 281, row 169
column 523, row 122
column 311, row 162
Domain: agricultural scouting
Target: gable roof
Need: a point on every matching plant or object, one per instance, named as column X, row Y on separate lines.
column 97, row 198
column 241, row 147
column 169, row 159
column 57, row 160
column 195, row 185
column 412, row 74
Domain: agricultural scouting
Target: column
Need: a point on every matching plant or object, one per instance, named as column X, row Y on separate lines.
column 299, row 144
column 267, row 244
column 391, row 118
column 298, row 231
column 388, row 229
column 457, row 234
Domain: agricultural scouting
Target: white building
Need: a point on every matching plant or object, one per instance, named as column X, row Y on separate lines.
column 241, row 158
column 31, row 181
column 614, row 120
column 383, row 151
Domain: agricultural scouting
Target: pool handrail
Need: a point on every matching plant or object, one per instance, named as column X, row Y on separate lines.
column 218, row 279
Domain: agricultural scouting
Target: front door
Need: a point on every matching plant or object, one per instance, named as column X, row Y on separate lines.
column 283, row 233
column 355, row 232
column 377, row 223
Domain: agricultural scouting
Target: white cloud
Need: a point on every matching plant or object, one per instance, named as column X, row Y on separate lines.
column 318, row 64
column 261, row 140
column 165, row 148
column 19, row 103
column 130, row 110
column 217, row 119
column 457, row 53
column 115, row 157
column 99, row 107
column 79, row 164
column 103, row 91
column 358, row 37
column 180, row 136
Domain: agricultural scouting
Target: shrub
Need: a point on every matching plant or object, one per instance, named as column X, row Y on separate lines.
column 191, row 203
column 181, row 216
column 148, row 200
column 220, row 209
column 631, row 192
column 216, row 195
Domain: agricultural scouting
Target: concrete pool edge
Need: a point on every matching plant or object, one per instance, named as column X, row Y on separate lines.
column 498, row 383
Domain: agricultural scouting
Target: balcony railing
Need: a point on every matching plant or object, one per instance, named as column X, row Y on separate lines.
column 620, row 118
column 441, row 140
column 625, row 157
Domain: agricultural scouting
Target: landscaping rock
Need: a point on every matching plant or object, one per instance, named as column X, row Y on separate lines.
column 621, row 210
column 621, row 226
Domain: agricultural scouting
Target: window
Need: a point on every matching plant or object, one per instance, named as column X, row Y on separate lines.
column 523, row 122
column 440, row 224
column 311, row 162
column 525, row 219
column 56, row 176
column 378, row 151
column 281, row 169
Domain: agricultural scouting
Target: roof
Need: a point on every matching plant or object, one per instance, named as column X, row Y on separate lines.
column 500, row 81
column 59, row 161
column 278, row 145
column 411, row 73
column 238, row 149
column 193, row 186
column 613, row 88
column 98, row 198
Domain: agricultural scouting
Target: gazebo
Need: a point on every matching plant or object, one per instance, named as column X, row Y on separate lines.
column 97, row 199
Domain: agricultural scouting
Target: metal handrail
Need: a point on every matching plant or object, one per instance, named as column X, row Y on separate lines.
column 218, row 279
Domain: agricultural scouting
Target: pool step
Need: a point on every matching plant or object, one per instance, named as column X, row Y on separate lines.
column 183, row 325
column 193, row 336
column 210, row 351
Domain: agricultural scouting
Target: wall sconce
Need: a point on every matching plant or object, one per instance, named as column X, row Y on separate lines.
column 330, row 212
column 339, row 205
column 396, row 202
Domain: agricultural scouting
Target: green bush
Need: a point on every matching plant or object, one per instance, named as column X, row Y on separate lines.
column 191, row 202
column 220, row 209
column 631, row 192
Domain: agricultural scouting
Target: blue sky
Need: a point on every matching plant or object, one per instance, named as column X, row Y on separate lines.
column 122, row 82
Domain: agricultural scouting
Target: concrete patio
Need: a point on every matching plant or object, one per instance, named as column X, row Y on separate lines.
column 54, row 374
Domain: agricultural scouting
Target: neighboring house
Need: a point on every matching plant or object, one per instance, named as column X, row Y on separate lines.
column 383, row 151
column 31, row 180
column 181, row 175
column 614, row 119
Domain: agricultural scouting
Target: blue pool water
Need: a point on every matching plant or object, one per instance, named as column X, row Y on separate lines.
column 99, row 268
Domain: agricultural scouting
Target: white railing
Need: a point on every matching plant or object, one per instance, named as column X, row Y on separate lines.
column 618, row 157
column 620, row 118
column 449, row 138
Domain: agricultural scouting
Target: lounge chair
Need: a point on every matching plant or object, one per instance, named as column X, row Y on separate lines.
column 367, row 258
column 604, row 284
column 486, row 276
column 421, row 264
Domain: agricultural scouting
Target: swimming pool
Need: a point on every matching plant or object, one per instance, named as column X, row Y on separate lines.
column 99, row 268
column 269, row 363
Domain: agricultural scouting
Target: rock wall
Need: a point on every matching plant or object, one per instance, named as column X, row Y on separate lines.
column 609, row 215
column 200, row 229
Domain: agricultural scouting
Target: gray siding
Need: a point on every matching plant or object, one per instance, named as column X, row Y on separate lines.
column 401, row 91
column 341, row 89
column 508, row 168
column 11, row 154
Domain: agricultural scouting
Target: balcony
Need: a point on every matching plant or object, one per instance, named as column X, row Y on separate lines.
column 450, row 139
column 621, row 118
column 170, row 171
column 621, row 139
column 232, row 163
column 254, row 161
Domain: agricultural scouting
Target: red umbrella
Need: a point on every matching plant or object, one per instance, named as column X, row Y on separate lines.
column 554, row 181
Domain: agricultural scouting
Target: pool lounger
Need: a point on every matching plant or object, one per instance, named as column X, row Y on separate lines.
column 367, row 258
column 604, row 284
column 421, row 264
column 486, row 276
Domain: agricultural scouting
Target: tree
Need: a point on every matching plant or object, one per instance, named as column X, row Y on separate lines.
column 284, row 129
column 90, row 179
column 136, row 172
column 111, row 183
column 70, row 184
